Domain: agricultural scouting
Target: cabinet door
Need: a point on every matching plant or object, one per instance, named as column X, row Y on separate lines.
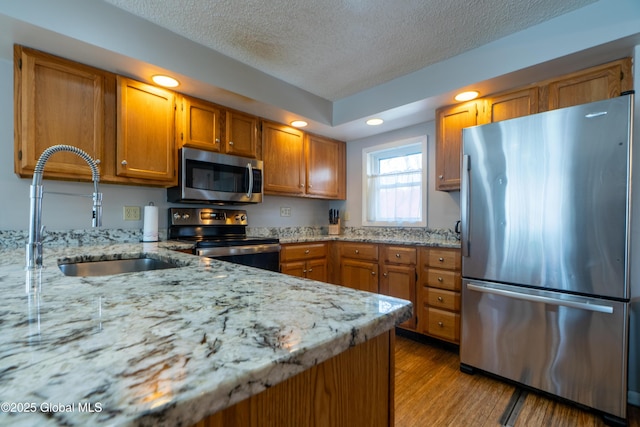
column 283, row 156
column 145, row 145
column 200, row 124
column 593, row 84
column 326, row 175
column 449, row 124
column 511, row 105
column 241, row 132
column 400, row 281
column 359, row 275
column 57, row 101
column 317, row 269
column 294, row 268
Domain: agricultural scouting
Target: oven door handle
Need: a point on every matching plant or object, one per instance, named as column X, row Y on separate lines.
column 250, row 170
column 238, row 250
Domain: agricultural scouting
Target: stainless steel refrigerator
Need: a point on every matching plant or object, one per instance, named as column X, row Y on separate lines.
column 545, row 207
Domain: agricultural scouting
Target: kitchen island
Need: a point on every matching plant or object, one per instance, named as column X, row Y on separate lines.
column 199, row 342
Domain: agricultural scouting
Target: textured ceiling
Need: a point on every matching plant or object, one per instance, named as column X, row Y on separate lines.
column 335, row 48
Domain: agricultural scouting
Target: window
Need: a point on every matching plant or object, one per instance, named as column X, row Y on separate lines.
column 394, row 182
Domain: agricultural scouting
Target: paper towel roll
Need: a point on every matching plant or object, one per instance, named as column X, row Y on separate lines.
column 150, row 227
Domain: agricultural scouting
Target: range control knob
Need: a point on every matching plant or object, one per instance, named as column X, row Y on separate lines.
column 186, row 216
column 241, row 217
column 177, row 216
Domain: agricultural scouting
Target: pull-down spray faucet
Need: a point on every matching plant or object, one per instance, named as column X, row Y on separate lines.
column 34, row 246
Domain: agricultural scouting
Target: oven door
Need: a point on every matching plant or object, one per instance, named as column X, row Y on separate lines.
column 210, row 177
column 264, row 256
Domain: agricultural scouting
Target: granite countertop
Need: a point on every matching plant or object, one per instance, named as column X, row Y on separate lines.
column 164, row 347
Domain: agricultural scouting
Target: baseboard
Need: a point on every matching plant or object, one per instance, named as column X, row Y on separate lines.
column 633, row 398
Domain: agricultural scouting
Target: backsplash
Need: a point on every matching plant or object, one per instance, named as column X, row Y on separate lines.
column 92, row 236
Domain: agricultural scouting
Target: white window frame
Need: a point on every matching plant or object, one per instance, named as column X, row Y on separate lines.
column 422, row 140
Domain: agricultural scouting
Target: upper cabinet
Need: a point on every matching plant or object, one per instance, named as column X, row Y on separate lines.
column 304, row 165
column 208, row 126
column 57, row 101
column 326, row 167
column 449, row 124
column 593, row 84
column 145, row 147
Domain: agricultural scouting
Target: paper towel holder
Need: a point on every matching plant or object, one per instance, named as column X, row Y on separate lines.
column 150, row 224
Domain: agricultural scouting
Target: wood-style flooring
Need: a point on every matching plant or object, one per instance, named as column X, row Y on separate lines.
column 430, row 391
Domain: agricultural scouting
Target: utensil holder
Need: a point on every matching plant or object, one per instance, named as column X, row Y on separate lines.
column 334, row 229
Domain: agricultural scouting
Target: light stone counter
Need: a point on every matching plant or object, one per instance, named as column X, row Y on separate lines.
column 164, row 347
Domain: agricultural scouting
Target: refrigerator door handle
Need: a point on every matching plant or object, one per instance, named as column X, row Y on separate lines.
column 464, row 201
column 538, row 298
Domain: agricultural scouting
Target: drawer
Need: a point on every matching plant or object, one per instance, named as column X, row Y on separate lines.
column 368, row 251
column 303, row 251
column 446, row 300
column 444, row 258
column 405, row 255
column 444, row 324
column 443, row 279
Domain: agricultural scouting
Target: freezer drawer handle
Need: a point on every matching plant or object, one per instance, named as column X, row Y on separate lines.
column 537, row 298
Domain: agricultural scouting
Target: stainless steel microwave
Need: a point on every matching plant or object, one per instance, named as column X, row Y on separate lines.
column 208, row 177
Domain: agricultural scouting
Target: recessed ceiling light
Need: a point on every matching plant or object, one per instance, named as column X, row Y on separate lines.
column 467, row 96
column 298, row 123
column 375, row 122
column 165, row 81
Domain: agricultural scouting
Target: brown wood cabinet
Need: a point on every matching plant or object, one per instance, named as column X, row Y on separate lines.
column 307, row 260
column 398, row 278
column 302, row 165
column 284, row 163
column 439, row 293
column 145, row 146
column 57, row 101
column 449, row 124
column 325, row 167
column 205, row 125
column 593, row 84
column 358, row 265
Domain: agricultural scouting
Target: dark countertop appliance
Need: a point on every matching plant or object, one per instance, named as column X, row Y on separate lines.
column 221, row 234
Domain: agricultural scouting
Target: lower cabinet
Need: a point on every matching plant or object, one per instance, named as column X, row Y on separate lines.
column 398, row 278
column 308, row 260
column 429, row 277
column 439, row 285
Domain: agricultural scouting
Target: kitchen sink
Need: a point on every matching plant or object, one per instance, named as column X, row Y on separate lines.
column 115, row 266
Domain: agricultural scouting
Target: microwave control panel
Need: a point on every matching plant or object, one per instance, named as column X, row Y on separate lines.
column 206, row 216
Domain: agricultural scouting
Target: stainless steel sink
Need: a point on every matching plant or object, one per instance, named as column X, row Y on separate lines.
column 115, row 266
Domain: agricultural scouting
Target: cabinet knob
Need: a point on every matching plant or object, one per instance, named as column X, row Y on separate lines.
column 306, row 251
column 440, row 279
column 441, row 324
column 301, row 185
column 310, row 270
column 441, row 259
column 384, row 274
column 357, row 251
column 397, row 255
column 97, row 161
column 440, row 176
column 217, row 140
column 310, row 185
column 440, row 299
column 230, row 142
column 304, row 271
column 123, row 163
column 373, row 273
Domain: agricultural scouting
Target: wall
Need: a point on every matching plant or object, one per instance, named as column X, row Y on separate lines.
column 443, row 207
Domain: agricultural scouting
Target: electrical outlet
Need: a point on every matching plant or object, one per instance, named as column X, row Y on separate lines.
column 285, row 211
column 131, row 213
column 346, row 216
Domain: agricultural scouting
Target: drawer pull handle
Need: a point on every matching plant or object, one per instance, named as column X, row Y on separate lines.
column 441, row 324
column 440, row 299
column 357, row 251
column 441, row 259
column 306, row 251
column 440, row 279
column 397, row 255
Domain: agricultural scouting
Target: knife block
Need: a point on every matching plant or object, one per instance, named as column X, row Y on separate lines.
column 334, row 229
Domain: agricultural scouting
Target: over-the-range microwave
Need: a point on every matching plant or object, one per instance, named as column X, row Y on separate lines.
column 208, row 177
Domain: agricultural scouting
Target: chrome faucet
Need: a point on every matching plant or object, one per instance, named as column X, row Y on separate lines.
column 34, row 246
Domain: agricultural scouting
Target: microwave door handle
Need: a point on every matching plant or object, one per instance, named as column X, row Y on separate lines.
column 250, row 170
